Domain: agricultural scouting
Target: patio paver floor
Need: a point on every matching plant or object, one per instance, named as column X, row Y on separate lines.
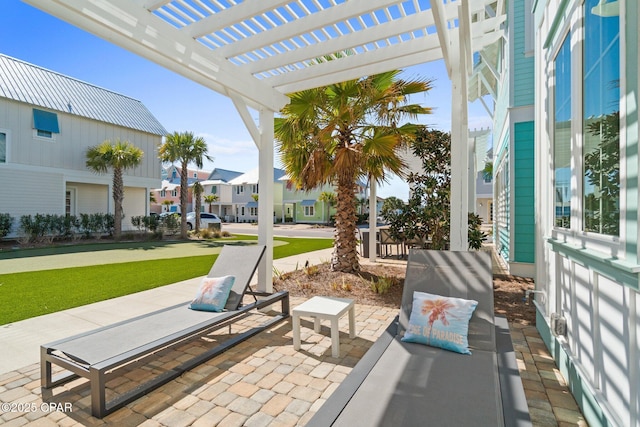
column 264, row 382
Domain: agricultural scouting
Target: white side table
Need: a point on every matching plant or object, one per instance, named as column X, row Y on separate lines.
column 328, row 308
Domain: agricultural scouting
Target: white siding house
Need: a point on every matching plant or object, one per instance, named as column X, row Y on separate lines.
column 47, row 122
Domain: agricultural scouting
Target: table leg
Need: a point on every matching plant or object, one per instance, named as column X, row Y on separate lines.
column 316, row 324
column 352, row 322
column 296, row 331
column 335, row 337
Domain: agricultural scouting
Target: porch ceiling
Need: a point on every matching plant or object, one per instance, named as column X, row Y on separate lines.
column 260, row 50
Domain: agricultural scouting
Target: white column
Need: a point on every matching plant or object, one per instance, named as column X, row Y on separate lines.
column 459, row 152
column 471, row 147
column 373, row 219
column 265, row 199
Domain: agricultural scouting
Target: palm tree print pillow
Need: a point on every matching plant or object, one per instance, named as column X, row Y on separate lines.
column 440, row 322
column 213, row 293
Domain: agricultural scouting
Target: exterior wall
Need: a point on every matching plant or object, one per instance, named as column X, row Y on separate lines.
column 514, row 161
column 589, row 279
column 522, row 62
column 24, row 193
column 502, row 196
column 523, row 194
column 67, row 149
column 38, row 171
column 240, row 201
column 484, row 199
column 91, row 198
column 295, row 197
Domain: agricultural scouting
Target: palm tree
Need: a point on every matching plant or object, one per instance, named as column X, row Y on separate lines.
column 329, row 199
column 184, row 148
column 118, row 156
column 211, row 199
column 346, row 131
column 197, row 195
column 167, row 203
column 487, row 172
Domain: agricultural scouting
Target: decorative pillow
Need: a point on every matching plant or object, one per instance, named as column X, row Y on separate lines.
column 213, row 293
column 440, row 321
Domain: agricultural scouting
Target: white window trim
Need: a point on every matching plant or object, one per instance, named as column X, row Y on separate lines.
column 7, row 153
column 309, row 211
column 575, row 235
column 43, row 138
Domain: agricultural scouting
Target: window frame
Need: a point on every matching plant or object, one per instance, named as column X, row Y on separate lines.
column 576, row 236
column 7, row 146
column 45, row 133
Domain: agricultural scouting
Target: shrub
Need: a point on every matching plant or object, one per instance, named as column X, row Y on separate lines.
column 382, row 285
column 5, row 224
column 170, row 224
column 311, row 270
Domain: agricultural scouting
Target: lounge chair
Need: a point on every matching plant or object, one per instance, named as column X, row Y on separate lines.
column 101, row 352
column 398, row 383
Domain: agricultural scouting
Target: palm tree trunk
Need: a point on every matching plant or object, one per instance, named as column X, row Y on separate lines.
column 118, row 196
column 345, row 254
column 184, row 193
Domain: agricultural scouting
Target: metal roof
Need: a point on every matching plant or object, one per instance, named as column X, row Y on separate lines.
column 251, row 177
column 28, row 83
column 257, row 51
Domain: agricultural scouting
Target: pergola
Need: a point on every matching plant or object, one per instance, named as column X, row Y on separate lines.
column 257, row 51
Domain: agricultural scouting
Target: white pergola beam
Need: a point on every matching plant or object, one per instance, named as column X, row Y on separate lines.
column 360, row 38
column 464, row 20
column 231, row 16
column 373, row 62
column 265, row 199
column 440, row 19
column 459, row 198
column 135, row 29
column 305, row 25
column 246, row 117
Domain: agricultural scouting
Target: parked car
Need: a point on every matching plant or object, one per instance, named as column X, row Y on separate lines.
column 205, row 220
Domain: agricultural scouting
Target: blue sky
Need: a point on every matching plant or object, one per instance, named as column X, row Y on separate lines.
column 178, row 103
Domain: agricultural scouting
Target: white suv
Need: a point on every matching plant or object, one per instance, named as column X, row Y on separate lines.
column 205, row 220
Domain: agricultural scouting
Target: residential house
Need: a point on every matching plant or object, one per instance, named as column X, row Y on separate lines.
column 217, row 184
column 47, row 123
column 505, row 70
column 167, row 197
column 307, row 207
column 586, row 200
column 244, row 197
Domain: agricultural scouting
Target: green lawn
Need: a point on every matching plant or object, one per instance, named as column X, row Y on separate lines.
column 30, row 294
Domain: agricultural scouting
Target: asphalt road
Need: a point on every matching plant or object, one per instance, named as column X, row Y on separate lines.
column 285, row 230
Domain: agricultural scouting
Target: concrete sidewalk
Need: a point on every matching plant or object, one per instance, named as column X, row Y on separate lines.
column 21, row 340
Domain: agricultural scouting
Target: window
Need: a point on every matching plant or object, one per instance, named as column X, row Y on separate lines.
column 239, row 189
column 253, row 211
column 601, row 122
column 214, row 189
column 3, row 147
column 45, row 124
column 309, row 211
column 174, row 193
column 254, row 188
column 163, row 193
column 242, row 211
column 562, row 135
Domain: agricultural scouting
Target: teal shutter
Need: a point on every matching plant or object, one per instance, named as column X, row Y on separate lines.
column 46, row 121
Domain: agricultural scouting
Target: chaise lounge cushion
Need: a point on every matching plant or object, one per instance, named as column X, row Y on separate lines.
column 213, row 293
column 440, row 321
